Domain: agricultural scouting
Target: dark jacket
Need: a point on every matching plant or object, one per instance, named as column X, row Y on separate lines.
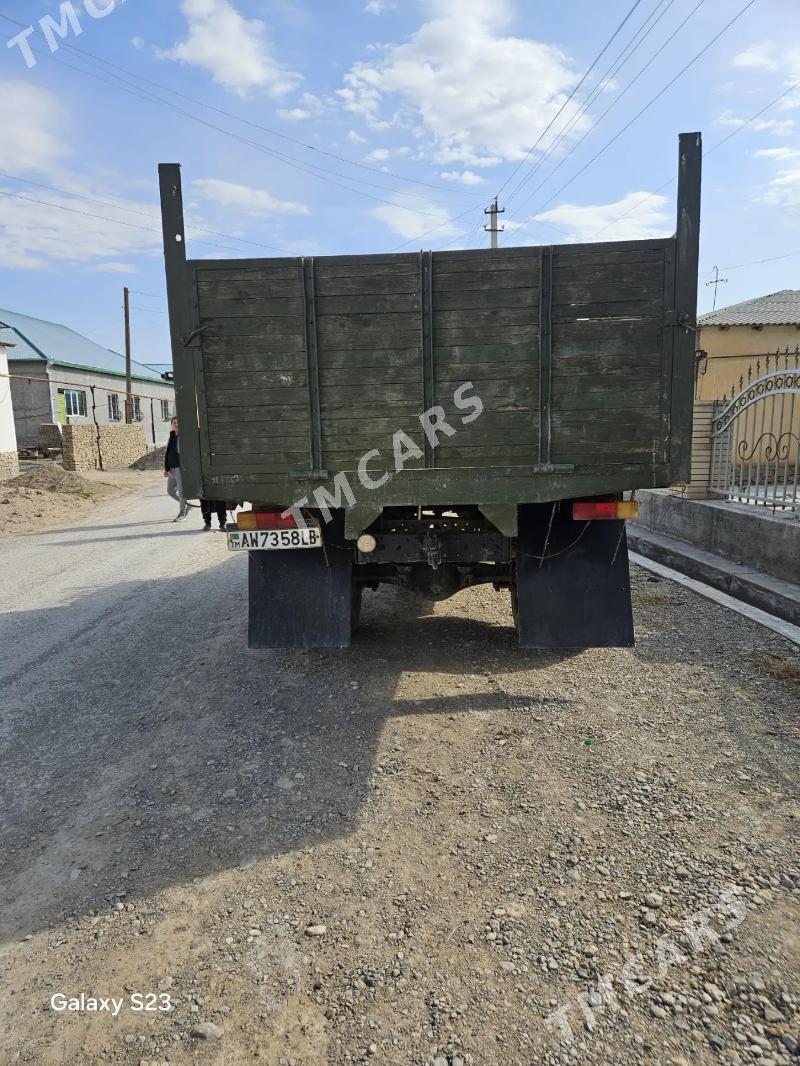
column 172, row 456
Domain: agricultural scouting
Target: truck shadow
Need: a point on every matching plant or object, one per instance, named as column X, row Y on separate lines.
column 142, row 744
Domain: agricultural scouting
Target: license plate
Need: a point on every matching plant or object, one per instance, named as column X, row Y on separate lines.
column 273, row 539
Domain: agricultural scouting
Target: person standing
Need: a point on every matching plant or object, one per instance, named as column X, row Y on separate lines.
column 172, row 472
column 221, row 507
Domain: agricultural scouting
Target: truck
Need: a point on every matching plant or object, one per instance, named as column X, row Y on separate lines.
column 437, row 420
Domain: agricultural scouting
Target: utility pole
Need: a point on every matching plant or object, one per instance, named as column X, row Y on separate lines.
column 128, row 395
column 493, row 228
column 716, row 283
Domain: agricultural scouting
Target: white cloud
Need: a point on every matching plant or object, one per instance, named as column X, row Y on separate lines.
column 295, row 114
column 356, row 138
column 465, row 177
column 233, row 49
column 409, row 218
column 645, row 217
column 377, row 7
column 759, row 56
column 252, row 201
column 34, row 236
column 777, row 153
column 31, row 120
column 784, row 189
column 138, row 43
column 377, row 155
column 113, row 268
column 780, row 127
column 482, row 96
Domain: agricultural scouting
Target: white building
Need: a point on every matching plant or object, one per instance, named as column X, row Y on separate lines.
column 9, row 463
column 60, row 377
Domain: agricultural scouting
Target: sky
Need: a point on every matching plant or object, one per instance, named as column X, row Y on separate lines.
column 311, row 128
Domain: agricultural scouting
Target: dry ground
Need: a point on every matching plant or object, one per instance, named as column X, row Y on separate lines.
column 411, row 852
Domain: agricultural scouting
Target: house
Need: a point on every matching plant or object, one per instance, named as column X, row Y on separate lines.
column 732, row 338
column 9, row 463
column 59, row 376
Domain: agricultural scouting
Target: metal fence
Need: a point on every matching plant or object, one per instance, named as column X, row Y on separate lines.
column 755, row 436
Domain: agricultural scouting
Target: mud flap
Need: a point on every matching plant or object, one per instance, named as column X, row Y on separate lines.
column 296, row 600
column 580, row 597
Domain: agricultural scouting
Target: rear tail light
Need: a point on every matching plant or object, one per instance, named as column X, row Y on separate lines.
column 265, row 520
column 593, row 510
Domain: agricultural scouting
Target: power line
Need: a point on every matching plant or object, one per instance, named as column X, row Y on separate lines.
column 135, row 211
column 150, row 97
column 610, row 73
column 706, row 153
column 586, row 74
column 648, row 105
column 758, row 262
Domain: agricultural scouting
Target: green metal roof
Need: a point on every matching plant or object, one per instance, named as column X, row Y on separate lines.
column 37, row 340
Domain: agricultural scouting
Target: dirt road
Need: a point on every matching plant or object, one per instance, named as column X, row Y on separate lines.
column 417, row 851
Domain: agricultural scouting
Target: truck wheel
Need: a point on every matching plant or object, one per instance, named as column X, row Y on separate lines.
column 355, row 607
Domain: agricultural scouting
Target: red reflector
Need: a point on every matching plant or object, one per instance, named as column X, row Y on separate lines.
column 589, row 510
column 274, row 520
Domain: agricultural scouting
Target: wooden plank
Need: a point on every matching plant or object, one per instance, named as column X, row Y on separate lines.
column 487, row 371
column 256, row 452
column 494, row 391
column 495, row 318
column 608, row 286
column 255, row 379
column 598, row 364
column 292, row 434
column 610, row 310
column 291, row 397
column 368, row 284
column 481, row 281
column 254, row 287
column 258, row 346
column 368, row 304
column 391, row 374
column 395, row 411
column 349, row 325
column 271, row 331
column 254, row 270
column 368, row 338
column 509, row 351
column 484, row 263
column 590, row 337
column 526, row 299
column 267, row 361
column 362, row 397
column 484, row 334
column 368, row 267
column 252, row 307
column 609, row 400
column 609, row 256
column 378, row 358
column 220, row 415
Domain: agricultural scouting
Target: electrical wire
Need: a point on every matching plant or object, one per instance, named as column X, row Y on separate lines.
column 605, row 81
column 586, row 74
column 706, row 153
column 646, row 107
column 312, row 169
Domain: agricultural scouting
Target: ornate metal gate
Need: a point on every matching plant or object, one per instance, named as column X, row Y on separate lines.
column 755, row 436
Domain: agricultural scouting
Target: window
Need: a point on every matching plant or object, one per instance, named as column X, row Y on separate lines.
column 75, row 402
column 113, row 407
column 136, row 409
column 166, row 414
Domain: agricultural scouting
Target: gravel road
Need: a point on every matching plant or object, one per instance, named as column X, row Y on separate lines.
column 434, row 848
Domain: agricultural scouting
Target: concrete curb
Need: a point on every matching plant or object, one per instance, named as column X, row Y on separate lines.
column 770, row 594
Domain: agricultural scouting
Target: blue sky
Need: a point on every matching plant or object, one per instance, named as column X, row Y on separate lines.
column 438, row 102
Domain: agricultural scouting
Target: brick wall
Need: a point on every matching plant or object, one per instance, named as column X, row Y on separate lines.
column 119, row 446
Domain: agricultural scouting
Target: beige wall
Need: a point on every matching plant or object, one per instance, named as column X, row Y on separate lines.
column 731, row 350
